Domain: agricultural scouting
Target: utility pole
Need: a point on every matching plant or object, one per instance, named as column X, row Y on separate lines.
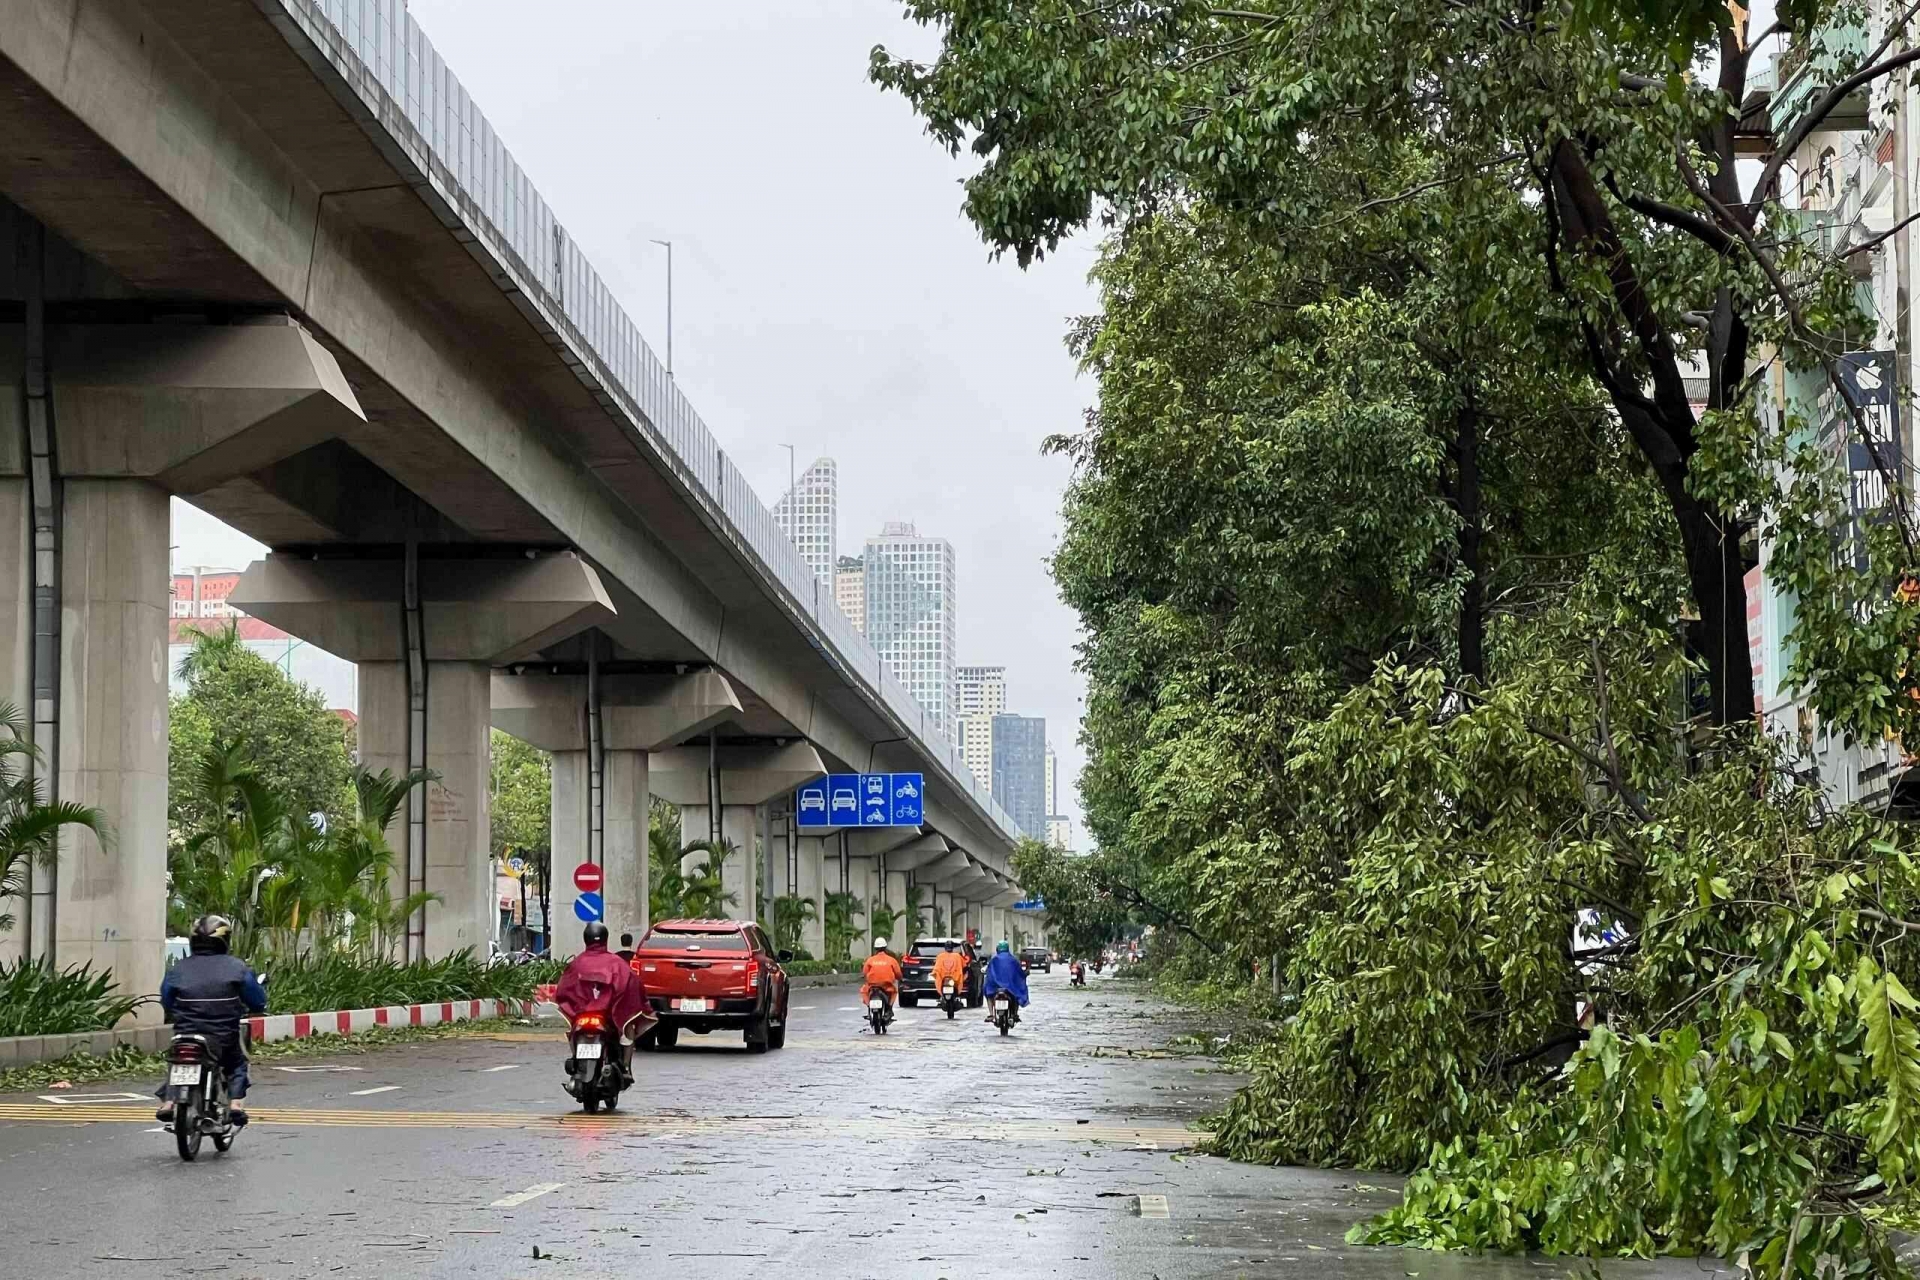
column 668, row 246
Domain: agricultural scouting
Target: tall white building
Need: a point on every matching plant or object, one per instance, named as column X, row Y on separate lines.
column 850, row 591
column 909, row 585
column 979, row 691
column 976, row 747
column 809, row 514
column 1053, row 783
column 1059, row 831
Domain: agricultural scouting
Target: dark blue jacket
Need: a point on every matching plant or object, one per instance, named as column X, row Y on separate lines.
column 1005, row 974
column 209, row 994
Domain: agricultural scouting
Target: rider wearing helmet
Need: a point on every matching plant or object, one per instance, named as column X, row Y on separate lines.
column 1005, row 974
column 882, row 973
column 208, row 992
column 599, row 981
column 950, row 966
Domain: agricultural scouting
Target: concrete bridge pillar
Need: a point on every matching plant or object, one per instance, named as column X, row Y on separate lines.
column 457, row 826
column 813, row 882
column 453, row 617
column 101, row 423
column 638, row 714
column 737, row 779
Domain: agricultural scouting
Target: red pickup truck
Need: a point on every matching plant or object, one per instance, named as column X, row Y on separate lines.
column 708, row 974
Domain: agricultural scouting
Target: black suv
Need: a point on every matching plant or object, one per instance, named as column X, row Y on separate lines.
column 918, row 964
column 1037, row 958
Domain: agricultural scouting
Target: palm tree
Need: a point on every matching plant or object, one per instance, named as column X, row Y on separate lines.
column 211, row 650
column 791, row 915
column 918, row 911
column 704, row 897
column 29, row 826
column 285, row 881
column 841, row 910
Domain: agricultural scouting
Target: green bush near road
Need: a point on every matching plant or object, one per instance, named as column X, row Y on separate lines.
column 813, row 968
column 126, row 1063
column 312, row 984
column 38, row 1000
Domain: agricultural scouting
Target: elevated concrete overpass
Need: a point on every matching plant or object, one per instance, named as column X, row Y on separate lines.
column 268, row 256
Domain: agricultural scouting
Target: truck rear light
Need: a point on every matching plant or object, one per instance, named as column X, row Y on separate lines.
column 753, row 974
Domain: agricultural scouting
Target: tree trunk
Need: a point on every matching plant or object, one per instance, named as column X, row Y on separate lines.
column 1716, row 572
column 1473, row 598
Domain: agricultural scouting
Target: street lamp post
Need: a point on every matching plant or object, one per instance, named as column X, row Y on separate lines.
column 668, row 246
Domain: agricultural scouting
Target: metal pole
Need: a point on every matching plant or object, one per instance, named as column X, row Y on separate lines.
column 416, row 664
column 44, row 492
column 713, row 790
column 668, row 246
column 596, row 761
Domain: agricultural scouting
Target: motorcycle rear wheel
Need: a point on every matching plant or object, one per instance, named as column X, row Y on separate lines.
column 186, row 1127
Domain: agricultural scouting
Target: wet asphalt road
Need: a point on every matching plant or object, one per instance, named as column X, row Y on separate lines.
column 942, row 1150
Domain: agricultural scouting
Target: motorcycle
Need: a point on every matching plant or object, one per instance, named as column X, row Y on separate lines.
column 879, row 1012
column 197, row 1086
column 1004, row 1013
column 950, row 997
column 595, row 1074
column 1079, row 978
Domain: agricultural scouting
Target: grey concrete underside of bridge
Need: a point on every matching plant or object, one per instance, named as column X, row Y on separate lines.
column 196, row 176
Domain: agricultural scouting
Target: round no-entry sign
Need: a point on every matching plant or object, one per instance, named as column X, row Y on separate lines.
column 586, row 877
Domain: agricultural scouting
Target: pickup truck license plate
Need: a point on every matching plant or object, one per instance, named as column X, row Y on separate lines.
column 693, row 1004
column 587, row 1049
column 187, row 1074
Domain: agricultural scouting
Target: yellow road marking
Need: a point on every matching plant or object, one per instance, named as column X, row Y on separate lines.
column 775, row 1126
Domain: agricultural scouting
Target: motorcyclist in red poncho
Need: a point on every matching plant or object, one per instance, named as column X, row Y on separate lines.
column 598, row 981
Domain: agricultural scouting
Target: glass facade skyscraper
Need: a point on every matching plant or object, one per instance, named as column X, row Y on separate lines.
column 1020, row 771
column 910, row 615
column 809, row 514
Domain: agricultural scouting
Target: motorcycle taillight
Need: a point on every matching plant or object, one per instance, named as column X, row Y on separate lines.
column 590, row 1022
column 183, row 1051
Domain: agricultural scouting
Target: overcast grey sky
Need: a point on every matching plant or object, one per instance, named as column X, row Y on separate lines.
column 827, row 291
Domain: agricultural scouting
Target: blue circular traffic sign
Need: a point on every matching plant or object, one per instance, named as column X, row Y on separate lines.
column 589, row 907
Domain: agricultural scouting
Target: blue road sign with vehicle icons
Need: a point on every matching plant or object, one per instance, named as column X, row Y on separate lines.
column 862, row 800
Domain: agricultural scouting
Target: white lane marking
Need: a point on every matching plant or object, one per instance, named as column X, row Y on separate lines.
column 155, row 1129
column 519, row 1198
column 1150, row 1206
column 321, row 1067
column 69, row 1099
column 385, row 1088
column 511, row 1066
column 803, row 1008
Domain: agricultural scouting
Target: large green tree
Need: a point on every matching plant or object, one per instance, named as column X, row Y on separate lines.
column 1619, row 129
column 236, row 699
column 521, row 810
column 1398, row 539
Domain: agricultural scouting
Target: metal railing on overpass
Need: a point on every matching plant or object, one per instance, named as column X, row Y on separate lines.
column 426, row 122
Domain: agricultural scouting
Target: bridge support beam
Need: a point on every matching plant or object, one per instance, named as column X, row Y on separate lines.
column 732, row 781
column 468, row 614
column 638, row 714
column 98, row 423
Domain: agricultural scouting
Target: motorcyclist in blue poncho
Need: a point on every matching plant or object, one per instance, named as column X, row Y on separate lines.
column 1005, row 974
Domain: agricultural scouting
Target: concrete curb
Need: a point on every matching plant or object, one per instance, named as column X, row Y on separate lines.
column 22, row 1051
column 344, row 1022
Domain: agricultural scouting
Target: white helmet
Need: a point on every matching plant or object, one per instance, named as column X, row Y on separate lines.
column 879, row 944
